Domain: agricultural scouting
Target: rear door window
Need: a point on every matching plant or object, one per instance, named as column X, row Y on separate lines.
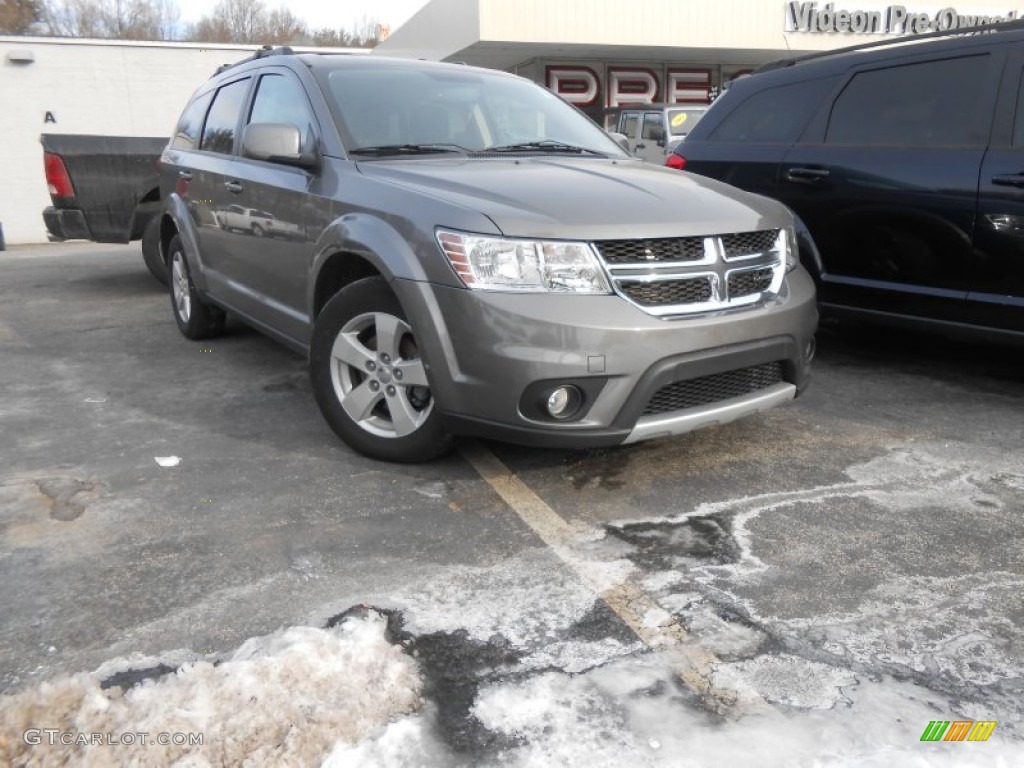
column 222, row 120
column 187, row 134
column 772, row 116
column 931, row 103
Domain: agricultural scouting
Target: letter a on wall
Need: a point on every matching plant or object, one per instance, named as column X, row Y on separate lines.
column 49, row 118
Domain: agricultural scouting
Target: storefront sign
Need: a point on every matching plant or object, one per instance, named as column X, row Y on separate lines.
column 624, row 86
column 884, row 20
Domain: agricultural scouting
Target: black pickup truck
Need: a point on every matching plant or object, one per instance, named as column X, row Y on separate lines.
column 105, row 188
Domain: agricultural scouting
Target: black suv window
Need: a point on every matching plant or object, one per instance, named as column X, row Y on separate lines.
column 1018, row 123
column 774, row 115
column 187, row 134
column 279, row 100
column 219, row 131
column 933, row 103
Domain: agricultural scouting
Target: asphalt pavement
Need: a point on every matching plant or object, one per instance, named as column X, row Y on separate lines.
column 859, row 550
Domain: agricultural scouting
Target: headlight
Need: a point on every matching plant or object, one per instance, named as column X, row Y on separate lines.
column 505, row 264
column 787, row 248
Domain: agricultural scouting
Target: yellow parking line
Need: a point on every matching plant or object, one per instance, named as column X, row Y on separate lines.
column 692, row 663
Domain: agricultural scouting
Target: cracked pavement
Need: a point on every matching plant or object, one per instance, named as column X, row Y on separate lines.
column 854, row 562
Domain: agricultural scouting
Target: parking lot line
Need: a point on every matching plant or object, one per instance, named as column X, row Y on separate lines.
column 692, row 663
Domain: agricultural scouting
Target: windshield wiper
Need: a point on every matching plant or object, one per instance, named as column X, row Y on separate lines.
column 407, row 149
column 545, row 145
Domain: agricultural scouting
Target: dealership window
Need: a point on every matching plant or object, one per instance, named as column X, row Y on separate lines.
column 219, row 131
column 187, row 134
column 932, row 103
column 773, row 116
column 280, row 100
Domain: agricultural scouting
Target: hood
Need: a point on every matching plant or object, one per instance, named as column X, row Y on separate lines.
column 581, row 198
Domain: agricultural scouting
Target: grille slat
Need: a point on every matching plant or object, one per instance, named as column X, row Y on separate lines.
column 748, row 243
column 651, row 251
column 668, row 292
column 693, row 393
column 749, row 282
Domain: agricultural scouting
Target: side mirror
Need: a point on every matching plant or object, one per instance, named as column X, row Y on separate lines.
column 276, row 143
column 621, row 139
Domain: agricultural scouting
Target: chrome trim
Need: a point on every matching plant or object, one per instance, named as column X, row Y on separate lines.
column 721, row 268
column 722, row 412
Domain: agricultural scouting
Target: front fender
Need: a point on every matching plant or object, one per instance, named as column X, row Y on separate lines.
column 373, row 239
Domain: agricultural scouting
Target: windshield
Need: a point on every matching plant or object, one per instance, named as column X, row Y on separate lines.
column 681, row 121
column 400, row 108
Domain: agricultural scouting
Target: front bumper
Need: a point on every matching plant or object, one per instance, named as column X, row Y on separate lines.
column 486, row 351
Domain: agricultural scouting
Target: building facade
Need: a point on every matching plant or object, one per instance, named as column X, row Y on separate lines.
column 595, row 53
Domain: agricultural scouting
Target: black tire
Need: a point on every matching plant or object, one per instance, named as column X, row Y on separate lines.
column 151, row 250
column 377, row 399
column 195, row 318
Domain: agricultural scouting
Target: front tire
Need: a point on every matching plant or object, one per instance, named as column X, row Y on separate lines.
column 196, row 319
column 369, row 379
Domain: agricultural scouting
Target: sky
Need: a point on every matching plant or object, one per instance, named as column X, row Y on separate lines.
column 317, row 14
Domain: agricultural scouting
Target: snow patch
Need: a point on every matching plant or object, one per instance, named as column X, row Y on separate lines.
column 285, row 698
column 167, row 461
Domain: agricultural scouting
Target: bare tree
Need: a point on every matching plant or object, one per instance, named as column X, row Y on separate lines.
column 232, row 21
column 249, row 21
column 18, row 17
column 366, row 34
column 121, row 19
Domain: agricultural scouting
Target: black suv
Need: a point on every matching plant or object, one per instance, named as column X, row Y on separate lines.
column 906, row 161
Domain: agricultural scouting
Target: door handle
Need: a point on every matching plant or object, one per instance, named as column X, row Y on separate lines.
column 1009, row 180
column 234, row 187
column 185, row 175
column 806, row 175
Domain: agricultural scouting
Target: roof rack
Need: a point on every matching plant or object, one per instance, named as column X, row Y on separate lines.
column 262, row 53
column 1003, row 26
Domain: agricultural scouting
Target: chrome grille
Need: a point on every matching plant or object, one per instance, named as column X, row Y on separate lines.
column 663, row 292
column 693, row 393
column 647, row 251
column 749, row 281
column 748, row 243
column 687, row 275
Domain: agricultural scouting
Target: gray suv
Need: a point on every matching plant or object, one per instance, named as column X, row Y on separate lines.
column 476, row 257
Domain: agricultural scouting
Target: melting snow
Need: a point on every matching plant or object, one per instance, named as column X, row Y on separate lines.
column 282, row 699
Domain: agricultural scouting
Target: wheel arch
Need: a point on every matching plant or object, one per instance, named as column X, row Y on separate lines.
column 355, row 246
column 338, row 270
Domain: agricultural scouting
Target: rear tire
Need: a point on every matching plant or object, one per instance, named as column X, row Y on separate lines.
column 369, row 379
column 151, row 250
column 196, row 319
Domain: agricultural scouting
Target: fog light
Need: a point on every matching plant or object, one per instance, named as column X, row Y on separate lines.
column 563, row 402
column 812, row 347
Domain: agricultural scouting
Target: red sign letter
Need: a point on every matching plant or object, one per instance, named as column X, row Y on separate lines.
column 577, row 85
column 688, row 86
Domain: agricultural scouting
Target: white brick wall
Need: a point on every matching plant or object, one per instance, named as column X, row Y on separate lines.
column 90, row 86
